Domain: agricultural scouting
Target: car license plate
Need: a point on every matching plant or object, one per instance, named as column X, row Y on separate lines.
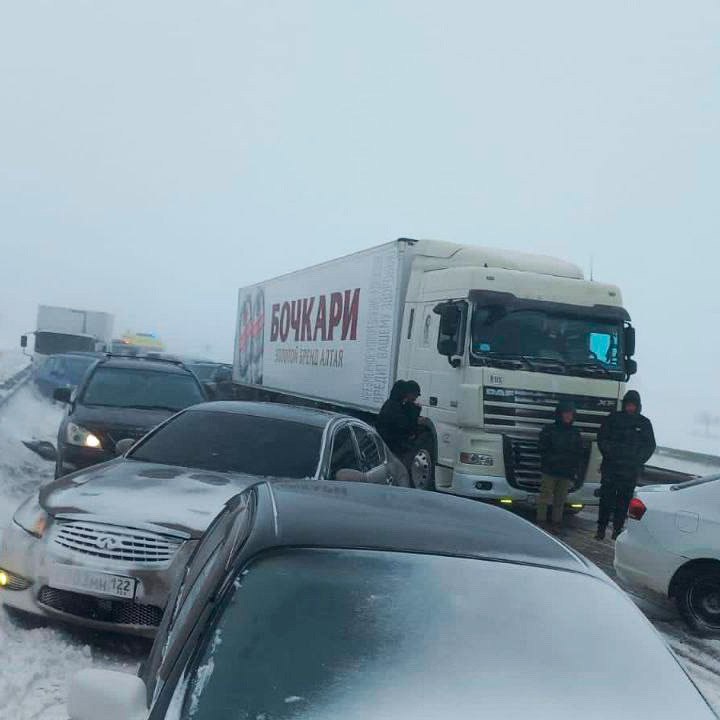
column 532, row 500
column 70, row 577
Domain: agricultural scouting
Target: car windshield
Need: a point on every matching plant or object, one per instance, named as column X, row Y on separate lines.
column 235, row 442
column 142, row 388
column 357, row 635
column 536, row 335
column 74, row 367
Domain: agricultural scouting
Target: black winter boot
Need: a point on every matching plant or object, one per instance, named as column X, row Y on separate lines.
column 616, row 532
column 600, row 534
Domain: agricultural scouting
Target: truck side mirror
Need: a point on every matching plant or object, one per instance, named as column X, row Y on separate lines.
column 629, row 341
column 631, row 367
column 451, row 336
column 23, row 341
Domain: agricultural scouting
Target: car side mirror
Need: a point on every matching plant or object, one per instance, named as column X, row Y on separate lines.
column 23, row 341
column 122, row 446
column 107, row 694
column 62, row 394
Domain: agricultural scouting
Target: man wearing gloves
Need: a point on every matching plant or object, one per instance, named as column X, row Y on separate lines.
column 626, row 441
column 561, row 455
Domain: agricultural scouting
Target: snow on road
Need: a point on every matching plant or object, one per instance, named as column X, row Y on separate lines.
column 41, row 658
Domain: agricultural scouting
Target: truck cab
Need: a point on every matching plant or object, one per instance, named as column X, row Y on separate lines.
column 495, row 340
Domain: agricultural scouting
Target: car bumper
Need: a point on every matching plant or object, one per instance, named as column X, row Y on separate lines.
column 26, row 560
column 493, row 487
column 641, row 562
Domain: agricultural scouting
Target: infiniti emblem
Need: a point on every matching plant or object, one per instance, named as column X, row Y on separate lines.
column 107, row 542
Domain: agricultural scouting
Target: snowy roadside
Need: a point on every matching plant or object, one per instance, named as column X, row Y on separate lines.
column 33, row 686
column 11, row 361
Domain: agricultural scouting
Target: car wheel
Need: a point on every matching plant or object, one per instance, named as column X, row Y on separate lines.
column 422, row 469
column 698, row 600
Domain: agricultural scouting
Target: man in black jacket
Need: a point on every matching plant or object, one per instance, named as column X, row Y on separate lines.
column 397, row 421
column 626, row 441
column 561, row 456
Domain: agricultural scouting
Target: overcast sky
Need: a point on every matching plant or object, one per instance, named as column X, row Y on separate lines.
column 156, row 156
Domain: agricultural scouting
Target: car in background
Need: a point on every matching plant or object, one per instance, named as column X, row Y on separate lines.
column 671, row 545
column 120, row 398
column 103, row 547
column 62, row 371
column 354, row 601
column 216, row 377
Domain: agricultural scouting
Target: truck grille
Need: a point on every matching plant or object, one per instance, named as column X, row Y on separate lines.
column 522, row 463
column 122, row 612
column 531, row 409
column 110, row 542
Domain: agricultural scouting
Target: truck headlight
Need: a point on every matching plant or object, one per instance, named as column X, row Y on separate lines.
column 476, row 459
column 31, row 517
column 77, row 435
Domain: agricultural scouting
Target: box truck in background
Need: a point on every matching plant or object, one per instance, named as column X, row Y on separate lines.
column 494, row 338
column 60, row 330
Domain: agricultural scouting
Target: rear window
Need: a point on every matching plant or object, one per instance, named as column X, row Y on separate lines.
column 233, row 442
column 142, row 389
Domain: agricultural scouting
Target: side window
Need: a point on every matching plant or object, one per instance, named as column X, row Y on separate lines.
column 369, row 454
column 50, row 367
column 344, row 456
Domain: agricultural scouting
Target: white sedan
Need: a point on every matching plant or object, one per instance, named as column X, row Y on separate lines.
column 671, row 545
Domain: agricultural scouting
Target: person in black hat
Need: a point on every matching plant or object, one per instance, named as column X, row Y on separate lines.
column 626, row 441
column 561, row 456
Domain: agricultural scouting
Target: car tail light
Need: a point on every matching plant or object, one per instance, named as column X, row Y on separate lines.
column 637, row 509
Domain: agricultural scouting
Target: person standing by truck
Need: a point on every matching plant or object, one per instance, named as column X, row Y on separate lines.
column 397, row 421
column 626, row 441
column 561, row 455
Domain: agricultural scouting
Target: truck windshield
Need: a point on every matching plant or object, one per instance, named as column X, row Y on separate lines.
column 52, row 343
column 536, row 339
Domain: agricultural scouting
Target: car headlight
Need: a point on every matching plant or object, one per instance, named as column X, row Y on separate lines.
column 77, row 435
column 31, row 517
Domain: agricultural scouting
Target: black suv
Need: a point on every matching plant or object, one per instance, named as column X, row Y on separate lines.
column 120, row 398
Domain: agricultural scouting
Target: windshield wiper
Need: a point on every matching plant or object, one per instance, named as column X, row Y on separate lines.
column 591, row 366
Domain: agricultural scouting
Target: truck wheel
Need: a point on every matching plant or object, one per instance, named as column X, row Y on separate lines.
column 422, row 470
column 698, row 600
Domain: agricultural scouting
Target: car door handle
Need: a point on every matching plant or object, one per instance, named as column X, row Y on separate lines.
column 433, row 401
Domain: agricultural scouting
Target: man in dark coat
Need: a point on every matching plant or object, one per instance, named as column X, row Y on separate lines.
column 398, row 418
column 626, row 441
column 561, row 456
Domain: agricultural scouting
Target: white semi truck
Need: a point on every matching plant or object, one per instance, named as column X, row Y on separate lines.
column 61, row 329
column 494, row 338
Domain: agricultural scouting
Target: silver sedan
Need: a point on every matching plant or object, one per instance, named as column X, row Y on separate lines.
column 103, row 546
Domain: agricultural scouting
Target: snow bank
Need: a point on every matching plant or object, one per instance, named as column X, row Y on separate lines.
column 11, row 362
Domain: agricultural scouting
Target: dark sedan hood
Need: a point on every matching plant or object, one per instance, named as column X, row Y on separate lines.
column 132, row 493
column 119, row 422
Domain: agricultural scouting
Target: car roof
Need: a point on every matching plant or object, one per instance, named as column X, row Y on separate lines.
column 363, row 515
column 141, row 363
column 275, row 411
column 77, row 354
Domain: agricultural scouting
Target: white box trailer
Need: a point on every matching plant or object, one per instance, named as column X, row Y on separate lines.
column 329, row 332
column 494, row 338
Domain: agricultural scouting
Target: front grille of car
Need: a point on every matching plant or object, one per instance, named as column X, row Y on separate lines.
column 522, row 463
column 532, row 409
column 120, row 612
column 110, row 542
